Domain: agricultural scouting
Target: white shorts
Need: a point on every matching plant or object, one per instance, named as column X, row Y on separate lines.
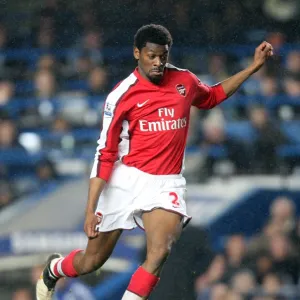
column 130, row 192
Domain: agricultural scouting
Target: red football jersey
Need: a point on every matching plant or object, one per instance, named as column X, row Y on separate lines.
column 145, row 125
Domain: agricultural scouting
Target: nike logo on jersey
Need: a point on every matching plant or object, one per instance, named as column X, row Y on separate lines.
column 142, row 104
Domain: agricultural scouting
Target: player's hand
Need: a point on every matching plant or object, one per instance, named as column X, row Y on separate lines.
column 91, row 221
column 262, row 53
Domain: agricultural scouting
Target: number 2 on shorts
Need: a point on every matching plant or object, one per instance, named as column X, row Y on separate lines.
column 174, row 198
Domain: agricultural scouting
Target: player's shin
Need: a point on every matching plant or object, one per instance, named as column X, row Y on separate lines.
column 141, row 285
column 64, row 267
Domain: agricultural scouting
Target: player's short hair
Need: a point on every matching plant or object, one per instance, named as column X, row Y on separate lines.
column 152, row 33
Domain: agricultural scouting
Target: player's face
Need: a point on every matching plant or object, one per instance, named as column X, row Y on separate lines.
column 152, row 60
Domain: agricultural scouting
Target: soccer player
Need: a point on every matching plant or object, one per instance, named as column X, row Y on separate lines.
column 137, row 176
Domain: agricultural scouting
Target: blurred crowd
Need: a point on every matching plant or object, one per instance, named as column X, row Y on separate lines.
column 56, row 72
column 66, row 288
column 265, row 266
column 60, row 23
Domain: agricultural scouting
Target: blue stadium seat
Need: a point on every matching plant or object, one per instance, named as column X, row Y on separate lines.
column 24, row 86
column 17, row 157
column 289, row 151
column 214, row 151
column 81, row 85
column 80, row 134
column 292, row 130
column 240, row 130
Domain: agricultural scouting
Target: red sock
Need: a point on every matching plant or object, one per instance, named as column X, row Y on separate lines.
column 142, row 282
column 64, row 267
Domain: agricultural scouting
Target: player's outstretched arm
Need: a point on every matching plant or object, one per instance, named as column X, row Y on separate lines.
column 262, row 52
column 91, row 220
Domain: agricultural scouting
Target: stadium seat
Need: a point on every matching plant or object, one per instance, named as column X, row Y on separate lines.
column 240, row 130
column 292, row 129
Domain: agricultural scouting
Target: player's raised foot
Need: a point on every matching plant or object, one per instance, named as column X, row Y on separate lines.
column 46, row 283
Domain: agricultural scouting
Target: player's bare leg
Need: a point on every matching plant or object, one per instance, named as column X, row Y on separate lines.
column 162, row 229
column 77, row 263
